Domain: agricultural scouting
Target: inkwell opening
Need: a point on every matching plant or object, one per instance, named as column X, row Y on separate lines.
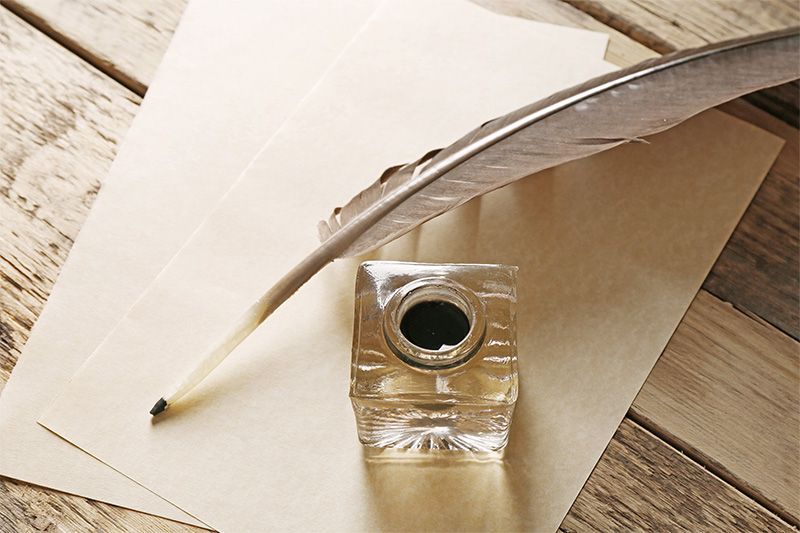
column 434, row 323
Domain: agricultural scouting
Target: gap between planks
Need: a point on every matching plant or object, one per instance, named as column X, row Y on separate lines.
column 668, row 26
column 88, row 57
column 641, row 469
column 710, row 465
column 726, row 387
column 106, row 67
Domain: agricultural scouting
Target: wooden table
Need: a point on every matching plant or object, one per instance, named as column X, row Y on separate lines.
column 712, row 442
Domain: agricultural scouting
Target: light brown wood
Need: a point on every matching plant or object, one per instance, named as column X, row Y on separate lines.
column 727, row 389
column 642, row 484
column 127, row 39
column 52, row 169
column 667, row 25
column 25, row 508
column 60, row 122
column 759, row 269
column 123, row 39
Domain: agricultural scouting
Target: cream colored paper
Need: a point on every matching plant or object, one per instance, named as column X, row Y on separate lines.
column 230, row 78
column 612, row 251
column 209, row 109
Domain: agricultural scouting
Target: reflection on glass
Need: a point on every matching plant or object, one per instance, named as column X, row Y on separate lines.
column 434, row 356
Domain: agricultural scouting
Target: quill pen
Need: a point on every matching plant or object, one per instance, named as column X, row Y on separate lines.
column 597, row 115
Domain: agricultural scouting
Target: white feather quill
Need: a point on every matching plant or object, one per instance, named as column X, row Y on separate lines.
column 592, row 117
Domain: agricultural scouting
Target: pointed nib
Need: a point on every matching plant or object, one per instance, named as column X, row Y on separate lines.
column 160, row 406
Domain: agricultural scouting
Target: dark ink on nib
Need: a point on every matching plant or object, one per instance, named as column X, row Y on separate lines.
column 160, row 406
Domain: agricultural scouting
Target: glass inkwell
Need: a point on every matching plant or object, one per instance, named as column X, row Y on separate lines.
column 434, row 363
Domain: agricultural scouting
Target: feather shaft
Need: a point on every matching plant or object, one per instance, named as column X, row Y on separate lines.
column 595, row 116
column 592, row 117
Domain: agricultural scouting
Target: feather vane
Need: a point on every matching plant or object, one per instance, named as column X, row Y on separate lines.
column 592, row 117
column 602, row 113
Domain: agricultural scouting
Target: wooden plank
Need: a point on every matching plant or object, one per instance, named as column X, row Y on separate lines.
column 25, row 508
column 27, row 292
column 727, row 390
column 123, row 39
column 759, row 269
column 667, row 25
column 127, row 39
column 60, row 121
column 642, row 484
column 781, row 101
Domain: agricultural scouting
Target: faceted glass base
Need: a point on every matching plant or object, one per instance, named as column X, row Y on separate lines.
column 425, row 425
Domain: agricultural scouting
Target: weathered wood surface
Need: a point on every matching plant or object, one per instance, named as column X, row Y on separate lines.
column 668, row 25
column 45, row 209
column 642, row 484
column 726, row 387
column 60, row 123
column 25, row 508
column 126, row 39
column 123, row 39
column 759, row 269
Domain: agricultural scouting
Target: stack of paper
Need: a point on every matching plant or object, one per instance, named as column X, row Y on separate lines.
column 612, row 250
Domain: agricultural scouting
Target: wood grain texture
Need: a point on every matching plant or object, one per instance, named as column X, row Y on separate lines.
column 25, row 508
column 759, row 269
column 123, row 39
column 727, row 389
column 127, row 39
column 61, row 121
column 642, row 484
column 668, row 25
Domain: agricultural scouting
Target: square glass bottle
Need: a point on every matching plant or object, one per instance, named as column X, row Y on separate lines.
column 434, row 362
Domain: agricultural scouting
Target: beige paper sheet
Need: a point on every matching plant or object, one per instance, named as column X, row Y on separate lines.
column 612, row 250
column 209, row 100
column 223, row 88
column 461, row 48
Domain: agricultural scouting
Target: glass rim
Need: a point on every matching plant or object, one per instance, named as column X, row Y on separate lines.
column 432, row 289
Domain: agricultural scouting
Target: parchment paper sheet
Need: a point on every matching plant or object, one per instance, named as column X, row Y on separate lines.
column 229, row 79
column 222, row 89
column 612, row 250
